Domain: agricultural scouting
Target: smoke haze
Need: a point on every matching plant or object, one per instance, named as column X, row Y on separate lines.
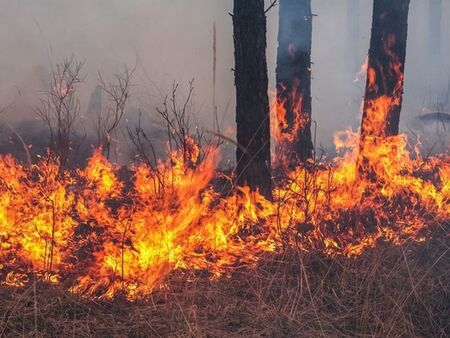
column 171, row 40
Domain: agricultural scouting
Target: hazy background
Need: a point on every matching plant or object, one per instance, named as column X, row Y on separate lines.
column 171, row 40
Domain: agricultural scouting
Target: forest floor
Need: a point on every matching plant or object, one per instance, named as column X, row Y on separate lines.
column 388, row 291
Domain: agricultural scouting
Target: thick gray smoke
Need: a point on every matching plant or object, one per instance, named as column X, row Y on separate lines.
column 171, row 40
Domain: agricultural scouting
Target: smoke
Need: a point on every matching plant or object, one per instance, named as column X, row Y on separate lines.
column 172, row 40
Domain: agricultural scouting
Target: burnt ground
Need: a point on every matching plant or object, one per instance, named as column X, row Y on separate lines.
column 386, row 292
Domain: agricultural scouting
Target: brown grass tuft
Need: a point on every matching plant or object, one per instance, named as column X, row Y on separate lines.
column 386, row 292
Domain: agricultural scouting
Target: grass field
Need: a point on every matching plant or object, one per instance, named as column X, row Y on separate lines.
column 386, row 292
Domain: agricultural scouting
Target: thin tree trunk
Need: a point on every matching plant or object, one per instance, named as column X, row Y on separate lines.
column 386, row 64
column 294, row 80
column 352, row 37
column 252, row 102
column 434, row 61
column 435, row 20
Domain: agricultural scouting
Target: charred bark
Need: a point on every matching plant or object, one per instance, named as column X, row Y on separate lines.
column 294, row 77
column 252, row 103
column 386, row 66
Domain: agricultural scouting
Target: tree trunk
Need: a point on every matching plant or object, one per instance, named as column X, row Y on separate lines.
column 435, row 20
column 252, row 102
column 434, row 59
column 386, row 64
column 352, row 38
column 294, row 81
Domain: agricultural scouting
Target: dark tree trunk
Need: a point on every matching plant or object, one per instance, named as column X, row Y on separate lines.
column 435, row 20
column 352, row 38
column 386, row 66
column 252, row 102
column 294, row 79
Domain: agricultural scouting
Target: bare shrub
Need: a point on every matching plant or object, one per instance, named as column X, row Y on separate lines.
column 182, row 138
column 107, row 120
column 60, row 109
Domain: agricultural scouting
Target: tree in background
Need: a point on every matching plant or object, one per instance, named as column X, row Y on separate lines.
column 294, row 80
column 352, row 37
column 433, row 48
column 252, row 103
column 435, row 21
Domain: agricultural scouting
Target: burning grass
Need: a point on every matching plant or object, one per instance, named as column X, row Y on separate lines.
column 164, row 252
column 353, row 246
column 385, row 292
column 102, row 236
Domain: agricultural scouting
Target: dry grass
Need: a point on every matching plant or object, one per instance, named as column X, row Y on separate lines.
column 386, row 292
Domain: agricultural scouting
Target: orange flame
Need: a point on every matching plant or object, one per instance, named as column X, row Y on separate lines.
column 125, row 237
column 116, row 231
column 283, row 131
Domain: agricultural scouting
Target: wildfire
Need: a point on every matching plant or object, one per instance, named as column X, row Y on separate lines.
column 287, row 121
column 379, row 108
column 105, row 231
column 112, row 236
column 283, row 132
